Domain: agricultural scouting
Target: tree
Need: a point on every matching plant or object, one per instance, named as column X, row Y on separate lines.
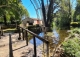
column 52, row 6
column 64, row 14
column 77, row 12
column 5, row 6
column 12, row 7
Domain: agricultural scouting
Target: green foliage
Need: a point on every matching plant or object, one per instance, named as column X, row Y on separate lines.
column 75, row 31
column 77, row 12
column 75, row 24
column 72, row 45
column 78, row 17
column 64, row 14
column 34, row 28
column 63, row 22
column 77, row 54
column 14, row 8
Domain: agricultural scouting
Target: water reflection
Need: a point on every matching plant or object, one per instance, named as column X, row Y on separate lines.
column 56, row 37
column 38, row 42
column 60, row 35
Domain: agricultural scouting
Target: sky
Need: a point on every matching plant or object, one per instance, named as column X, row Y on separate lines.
column 30, row 8
column 73, row 3
column 27, row 4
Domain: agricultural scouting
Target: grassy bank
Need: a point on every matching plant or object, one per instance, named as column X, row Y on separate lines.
column 71, row 47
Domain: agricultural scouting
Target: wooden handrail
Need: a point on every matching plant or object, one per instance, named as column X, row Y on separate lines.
column 34, row 40
column 41, row 38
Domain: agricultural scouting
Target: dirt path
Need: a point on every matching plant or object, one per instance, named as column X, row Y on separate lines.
column 19, row 47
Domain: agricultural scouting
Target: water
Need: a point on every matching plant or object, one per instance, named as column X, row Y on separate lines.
column 56, row 39
column 59, row 37
column 38, row 42
column 62, row 35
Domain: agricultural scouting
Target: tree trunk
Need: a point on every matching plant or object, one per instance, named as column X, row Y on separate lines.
column 5, row 20
column 48, row 19
column 69, row 14
column 50, row 15
column 44, row 12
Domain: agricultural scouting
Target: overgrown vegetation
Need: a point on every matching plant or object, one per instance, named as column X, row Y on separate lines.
column 72, row 45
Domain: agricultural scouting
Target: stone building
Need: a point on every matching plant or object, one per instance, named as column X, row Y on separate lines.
column 30, row 21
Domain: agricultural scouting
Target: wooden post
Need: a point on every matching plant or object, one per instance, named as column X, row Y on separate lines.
column 19, row 34
column 43, row 49
column 0, row 34
column 34, row 40
column 10, row 47
column 23, row 33
column 1, row 31
column 26, row 37
column 16, row 24
column 47, row 49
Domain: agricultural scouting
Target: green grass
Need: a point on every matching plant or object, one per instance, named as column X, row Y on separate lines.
column 9, row 30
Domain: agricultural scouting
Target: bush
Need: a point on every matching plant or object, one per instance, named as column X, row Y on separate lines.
column 8, row 26
column 75, row 24
column 77, row 54
column 35, row 28
column 72, row 47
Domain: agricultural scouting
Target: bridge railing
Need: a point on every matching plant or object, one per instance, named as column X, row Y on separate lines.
column 26, row 31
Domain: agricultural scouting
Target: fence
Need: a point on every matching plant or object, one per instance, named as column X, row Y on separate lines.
column 26, row 31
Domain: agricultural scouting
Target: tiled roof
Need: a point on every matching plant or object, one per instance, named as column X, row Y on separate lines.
column 31, row 20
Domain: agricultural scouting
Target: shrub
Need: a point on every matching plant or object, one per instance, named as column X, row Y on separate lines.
column 75, row 24
column 72, row 47
column 77, row 54
column 35, row 28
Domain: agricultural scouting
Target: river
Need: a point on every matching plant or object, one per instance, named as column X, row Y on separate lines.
column 60, row 35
